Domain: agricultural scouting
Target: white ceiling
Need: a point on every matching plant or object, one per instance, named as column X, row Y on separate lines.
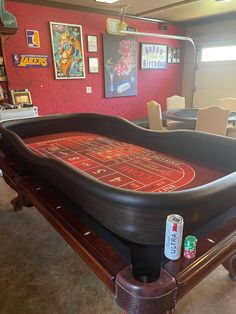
column 170, row 10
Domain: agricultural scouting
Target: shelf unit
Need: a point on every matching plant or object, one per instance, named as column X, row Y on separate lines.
column 5, row 33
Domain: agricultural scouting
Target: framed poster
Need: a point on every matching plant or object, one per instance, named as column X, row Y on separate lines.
column 173, row 55
column 68, row 53
column 92, row 42
column 153, row 56
column 120, row 65
column 93, row 65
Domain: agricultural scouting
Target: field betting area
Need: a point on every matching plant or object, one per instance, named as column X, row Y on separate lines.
column 120, row 164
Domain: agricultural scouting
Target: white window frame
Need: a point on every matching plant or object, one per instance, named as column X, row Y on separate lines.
column 218, row 53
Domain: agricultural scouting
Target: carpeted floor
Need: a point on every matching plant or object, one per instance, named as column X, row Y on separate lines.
column 41, row 274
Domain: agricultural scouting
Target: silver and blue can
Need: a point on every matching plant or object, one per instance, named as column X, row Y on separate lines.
column 173, row 236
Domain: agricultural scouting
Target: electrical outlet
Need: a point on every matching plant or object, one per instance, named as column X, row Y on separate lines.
column 88, row 89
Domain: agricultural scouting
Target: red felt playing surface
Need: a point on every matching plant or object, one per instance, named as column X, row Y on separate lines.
column 121, row 164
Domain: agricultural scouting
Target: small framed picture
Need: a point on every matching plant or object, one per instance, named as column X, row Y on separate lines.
column 112, row 26
column 92, row 43
column 93, row 65
column 153, row 56
column 21, row 97
column 173, row 55
column 32, row 38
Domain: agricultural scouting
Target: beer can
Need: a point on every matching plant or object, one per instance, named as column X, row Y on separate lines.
column 173, row 236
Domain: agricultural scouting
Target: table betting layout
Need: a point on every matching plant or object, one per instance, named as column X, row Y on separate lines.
column 121, row 164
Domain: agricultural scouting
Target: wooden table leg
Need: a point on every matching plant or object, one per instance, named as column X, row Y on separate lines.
column 20, row 201
column 17, row 203
column 230, row 265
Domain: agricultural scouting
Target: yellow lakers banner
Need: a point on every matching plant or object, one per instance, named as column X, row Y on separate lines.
column 30, row 61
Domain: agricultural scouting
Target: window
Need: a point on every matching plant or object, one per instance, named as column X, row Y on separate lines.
column 223, row 53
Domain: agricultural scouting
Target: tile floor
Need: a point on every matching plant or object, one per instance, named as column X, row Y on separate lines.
column 41, row 274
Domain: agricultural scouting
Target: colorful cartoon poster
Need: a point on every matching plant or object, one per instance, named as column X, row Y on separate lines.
column 120, row 65
column 68, row 54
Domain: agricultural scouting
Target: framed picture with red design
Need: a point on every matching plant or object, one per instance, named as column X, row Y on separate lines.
column 120, row 65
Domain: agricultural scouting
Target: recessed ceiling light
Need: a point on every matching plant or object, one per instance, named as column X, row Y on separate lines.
column 107, row 1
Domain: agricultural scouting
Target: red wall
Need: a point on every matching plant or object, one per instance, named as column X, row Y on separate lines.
column 65, row 96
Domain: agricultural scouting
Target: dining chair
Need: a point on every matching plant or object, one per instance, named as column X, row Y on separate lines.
column 212, row 120
column 228, row 103
column 176, row 102
column 155, row 116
